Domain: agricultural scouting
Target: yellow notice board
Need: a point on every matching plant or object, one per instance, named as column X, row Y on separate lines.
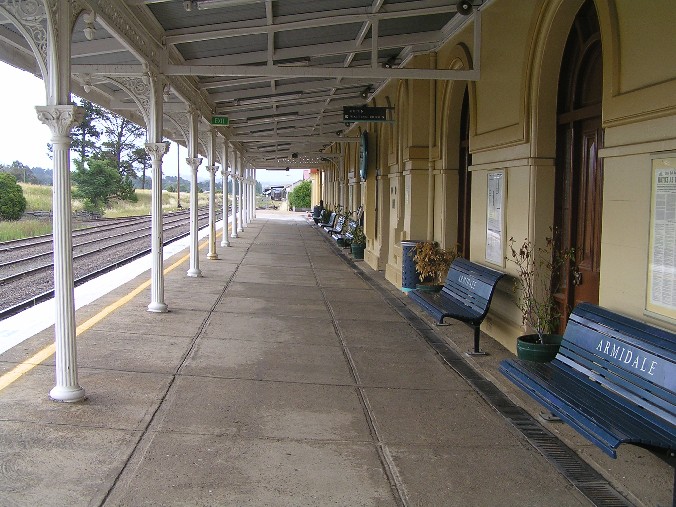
column 661, row 294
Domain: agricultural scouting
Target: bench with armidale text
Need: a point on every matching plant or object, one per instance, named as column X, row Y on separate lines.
column 465, row 296
column 613, row 380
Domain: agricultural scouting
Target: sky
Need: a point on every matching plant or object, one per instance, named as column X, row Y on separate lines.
column 24, row 138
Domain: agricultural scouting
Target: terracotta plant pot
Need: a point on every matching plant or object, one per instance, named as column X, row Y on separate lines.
column 529, row 348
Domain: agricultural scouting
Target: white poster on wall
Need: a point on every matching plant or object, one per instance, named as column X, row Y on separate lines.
column 661, row 296
column 495, row 218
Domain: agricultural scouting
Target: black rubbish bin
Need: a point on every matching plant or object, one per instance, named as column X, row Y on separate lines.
column 409, row 277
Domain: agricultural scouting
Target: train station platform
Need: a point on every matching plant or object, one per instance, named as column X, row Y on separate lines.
column 289, row 375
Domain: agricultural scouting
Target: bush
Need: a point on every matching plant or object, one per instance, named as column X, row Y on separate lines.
column 300, row 196
column 12, row 201
column 98, row 183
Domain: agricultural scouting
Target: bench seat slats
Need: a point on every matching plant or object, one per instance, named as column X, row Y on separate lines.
column 601, row 416
column 440, row 307
column 614, row 380
column 599, row 403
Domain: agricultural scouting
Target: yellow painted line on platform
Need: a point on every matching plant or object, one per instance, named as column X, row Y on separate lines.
column 15, row 373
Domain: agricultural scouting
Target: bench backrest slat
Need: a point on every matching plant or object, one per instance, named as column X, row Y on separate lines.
column 339, row 223
column 332, row 217
column 471, row 284
column 631, row 358
column 634, row 388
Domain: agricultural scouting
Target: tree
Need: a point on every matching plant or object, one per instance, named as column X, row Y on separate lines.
column 301, row 195
column 140, row 156
column 86, row 134
column 121, row 139
column 12, row 201
column 21, row 172
column 98, row 182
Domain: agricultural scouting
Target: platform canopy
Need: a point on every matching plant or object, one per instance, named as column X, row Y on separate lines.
column 273, row 74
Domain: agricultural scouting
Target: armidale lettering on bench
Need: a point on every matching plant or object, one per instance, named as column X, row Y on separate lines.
column 627, row 356
column 467, row 281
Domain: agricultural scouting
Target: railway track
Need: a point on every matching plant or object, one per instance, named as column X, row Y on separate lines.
column 26, row 266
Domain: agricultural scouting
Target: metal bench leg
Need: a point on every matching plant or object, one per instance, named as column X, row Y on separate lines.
column 477, row 335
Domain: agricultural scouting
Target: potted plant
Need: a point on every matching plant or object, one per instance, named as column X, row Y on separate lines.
column 432, row 263
column 538, row 277
column 358, row 242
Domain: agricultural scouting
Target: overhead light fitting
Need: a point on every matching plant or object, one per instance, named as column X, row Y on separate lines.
column 389, row 63
column 464, row 7
column 366, row 92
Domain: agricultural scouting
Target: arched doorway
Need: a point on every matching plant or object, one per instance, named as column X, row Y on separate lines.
column 464, row 181
column 579, row 171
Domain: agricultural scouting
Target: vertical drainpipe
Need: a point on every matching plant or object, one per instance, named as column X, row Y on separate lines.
column 430, row 161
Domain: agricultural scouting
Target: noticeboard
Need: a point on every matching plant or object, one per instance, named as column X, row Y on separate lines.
column 661, row 289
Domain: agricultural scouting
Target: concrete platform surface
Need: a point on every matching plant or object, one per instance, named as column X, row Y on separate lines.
column 287, row 375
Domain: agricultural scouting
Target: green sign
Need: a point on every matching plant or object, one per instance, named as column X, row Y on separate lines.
column 220, row 120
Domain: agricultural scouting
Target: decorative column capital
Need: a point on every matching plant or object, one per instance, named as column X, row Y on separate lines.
column 194, row 163
column 60, row 119
column 211, row 168
column 156, row 150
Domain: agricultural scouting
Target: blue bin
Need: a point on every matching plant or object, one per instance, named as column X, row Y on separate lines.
column 409, row 277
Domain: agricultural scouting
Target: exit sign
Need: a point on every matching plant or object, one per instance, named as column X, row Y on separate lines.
column 220, row 120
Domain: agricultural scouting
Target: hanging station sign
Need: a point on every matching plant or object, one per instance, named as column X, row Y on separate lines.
column 354, row 114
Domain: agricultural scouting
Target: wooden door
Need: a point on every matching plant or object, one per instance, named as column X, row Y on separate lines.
column 579, row 185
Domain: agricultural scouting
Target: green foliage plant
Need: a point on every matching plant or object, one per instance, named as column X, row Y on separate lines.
column 432, row 261
column 538, row 275
column 12, row 200
column 99, row 182
column 358, row 236
column 300, row 197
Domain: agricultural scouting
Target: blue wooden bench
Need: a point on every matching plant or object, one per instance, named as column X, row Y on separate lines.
column 613, row 381
column 465, row 296
column 337, row 227
column 329, row 222
column 345, row 238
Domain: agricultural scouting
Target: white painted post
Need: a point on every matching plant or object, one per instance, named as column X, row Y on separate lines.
column 157, row 304
column 156, row 149
column 212, row 255
column 254, row 193
column 233, row 174
column 194, row 270
column 60, row 120
column 240, row 174
column 224, row 174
